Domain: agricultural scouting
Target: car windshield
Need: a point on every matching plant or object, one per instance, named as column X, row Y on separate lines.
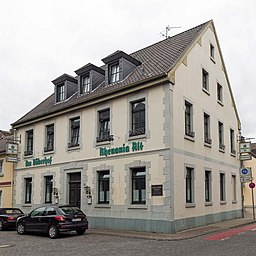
column 71, row 210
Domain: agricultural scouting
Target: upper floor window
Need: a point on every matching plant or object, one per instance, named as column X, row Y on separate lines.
column 74, row 132
column 85, row 84
column 103, row 187
column 1, row 167
column 139, row 185
column 28, row 190
column 138, row 118
column 104, row 126
column 232, row 142
column 219, row 93
column 29, row 143
column 48, row 189
column 114, row 73
column 205, row 80
column 49, row 138
column 189, row 119
column 207, row 136
column 60, row 90
column 221, row 135
column 212, row 51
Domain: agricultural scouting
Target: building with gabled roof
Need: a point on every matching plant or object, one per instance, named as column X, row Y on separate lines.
column 145, row 142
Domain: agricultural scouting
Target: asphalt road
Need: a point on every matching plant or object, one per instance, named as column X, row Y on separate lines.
column 95, row 244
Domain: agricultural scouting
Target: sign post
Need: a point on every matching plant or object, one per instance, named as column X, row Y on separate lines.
column 252, row 186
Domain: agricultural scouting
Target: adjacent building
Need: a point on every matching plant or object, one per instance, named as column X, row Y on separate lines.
column 6, row 171
column 145, row 142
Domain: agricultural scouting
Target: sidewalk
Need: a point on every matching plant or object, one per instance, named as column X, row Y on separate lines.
column 186, row 234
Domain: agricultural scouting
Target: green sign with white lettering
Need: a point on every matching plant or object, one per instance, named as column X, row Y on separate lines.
column 136, row 146
column 38, row 161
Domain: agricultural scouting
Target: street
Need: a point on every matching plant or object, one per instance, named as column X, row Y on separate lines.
column 231, row 242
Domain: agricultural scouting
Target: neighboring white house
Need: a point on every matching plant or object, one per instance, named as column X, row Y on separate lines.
column 145, row 142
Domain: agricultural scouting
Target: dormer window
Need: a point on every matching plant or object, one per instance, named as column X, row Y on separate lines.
column 60, row 93
column 85, row 84
column 114, row 73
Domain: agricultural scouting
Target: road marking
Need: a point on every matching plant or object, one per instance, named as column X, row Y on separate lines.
column 4, row 246
column 227, row 234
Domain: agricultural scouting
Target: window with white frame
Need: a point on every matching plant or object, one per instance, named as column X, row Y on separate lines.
column 207, row 136
column 103, row 187
column 212, row 51
column 138, row 185
column 205, row 80
column 74, row 132
column 85, row 84
column 104, row 126
column 208, row 193
column 60, row 90
column 49, row 138
column 48, row 189
column 222, row 187
column 219, row 93
column 189, row 185
column 114, row 73
column 234, row 187
column 232, row 142
column 189, row 119
column 221, row 135
column 29, row 143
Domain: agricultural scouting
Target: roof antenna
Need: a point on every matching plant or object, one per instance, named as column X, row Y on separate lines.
column 167, row 29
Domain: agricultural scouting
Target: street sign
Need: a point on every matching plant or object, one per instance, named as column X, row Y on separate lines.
column 11, row 149
column 12, row 159
column 245, row 157
column 245, row 147
column 246, row 171
column 252, row 185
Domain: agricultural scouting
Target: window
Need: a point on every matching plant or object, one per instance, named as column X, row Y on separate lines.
column 114, row 73
column 221, row 136
column 222, row 187
column 219, row 93
column 49, row 138
column 48, row 189
column 60, row 90
column 139, row 186
column 1, row 198
column 103, row 187
column 232, row 142
column 234, row 187
column 28, row 190
column 138, row 118
column 85, row 84
column 208, row 186
column 205, row 80
column 29, row 143
column 74, row 132
column 104, row 129
column 212, row 51
column 189, row 185
column 189, row 119
column 38, row 212
column 1, row 167
column 207, row 137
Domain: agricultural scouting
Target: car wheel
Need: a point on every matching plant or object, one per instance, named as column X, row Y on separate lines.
column 53, row 232
column 80, row 231
column 21, row 229
column 1, row 225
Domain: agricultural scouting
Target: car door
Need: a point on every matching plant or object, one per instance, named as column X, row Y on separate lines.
column 34, row 220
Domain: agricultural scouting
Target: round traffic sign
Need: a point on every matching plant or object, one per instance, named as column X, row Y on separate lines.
column 252, row 185
column 244, row 171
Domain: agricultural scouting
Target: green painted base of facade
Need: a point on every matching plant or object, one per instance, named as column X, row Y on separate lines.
column 160, row 226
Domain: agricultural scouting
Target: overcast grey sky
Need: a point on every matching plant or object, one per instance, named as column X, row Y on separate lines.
column 42, row 39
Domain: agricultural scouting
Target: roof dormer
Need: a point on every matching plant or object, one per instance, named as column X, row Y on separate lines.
column 89, row 78
column 65, row 86
column 119, row 66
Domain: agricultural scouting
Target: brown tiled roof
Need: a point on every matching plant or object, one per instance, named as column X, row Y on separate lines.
column 156, row 59
column 3, row 141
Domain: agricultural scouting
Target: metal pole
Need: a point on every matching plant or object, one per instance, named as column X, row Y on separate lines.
column 253, row 210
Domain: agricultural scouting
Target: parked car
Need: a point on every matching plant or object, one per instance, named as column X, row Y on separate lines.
column 8, row 217
column 53, row 220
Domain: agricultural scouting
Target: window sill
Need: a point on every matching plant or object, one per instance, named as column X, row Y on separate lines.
column 234, row 202
column 187, row 137
column 221, row 103
column 207, row 145
column 1, row 175
column 190, row 205
column 103, row 143
column 136, row 137
column 73, row 148
column 49, row 152
column 233, row 155
column 206, row 91
column 212, row 59
column 223, row 202
column 208, row 203
column 29, row 156
column 139, row 207
column 221, row 150
column 102, row 206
